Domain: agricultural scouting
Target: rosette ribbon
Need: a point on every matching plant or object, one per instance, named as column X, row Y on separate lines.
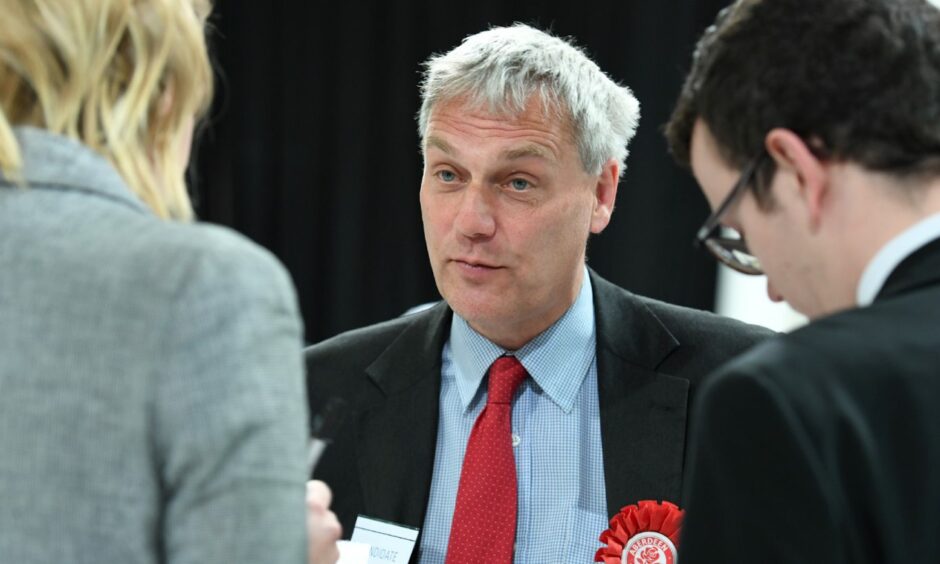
column 644, row 533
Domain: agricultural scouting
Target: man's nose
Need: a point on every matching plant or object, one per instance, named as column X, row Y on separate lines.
column 475, row 218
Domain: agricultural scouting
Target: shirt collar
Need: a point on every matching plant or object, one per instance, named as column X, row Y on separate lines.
column 891, row 255
column 558, row 359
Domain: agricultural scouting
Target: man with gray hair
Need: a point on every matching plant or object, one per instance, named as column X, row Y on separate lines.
column 511, row 420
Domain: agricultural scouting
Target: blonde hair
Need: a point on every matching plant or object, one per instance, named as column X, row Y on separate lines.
column 123, row 77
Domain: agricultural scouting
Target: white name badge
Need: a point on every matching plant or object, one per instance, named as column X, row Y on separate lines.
column 388, row 543
column 352, row 552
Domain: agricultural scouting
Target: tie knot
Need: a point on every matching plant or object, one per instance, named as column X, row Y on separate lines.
column 506, row 373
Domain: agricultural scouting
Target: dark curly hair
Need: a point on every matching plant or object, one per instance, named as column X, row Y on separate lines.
column 858, row 80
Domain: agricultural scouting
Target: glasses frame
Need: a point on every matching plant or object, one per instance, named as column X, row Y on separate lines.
column 709, row 234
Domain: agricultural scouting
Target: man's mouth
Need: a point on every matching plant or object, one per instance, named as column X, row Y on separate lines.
column 473, row 264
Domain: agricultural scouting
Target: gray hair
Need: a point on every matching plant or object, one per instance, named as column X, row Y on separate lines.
column 503, row 67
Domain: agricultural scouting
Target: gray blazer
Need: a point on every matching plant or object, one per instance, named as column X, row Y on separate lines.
column 151, row 379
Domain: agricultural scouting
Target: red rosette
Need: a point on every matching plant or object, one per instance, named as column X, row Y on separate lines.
column 644, row 533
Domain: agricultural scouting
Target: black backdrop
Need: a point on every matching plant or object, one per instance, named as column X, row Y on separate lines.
column 312, row 148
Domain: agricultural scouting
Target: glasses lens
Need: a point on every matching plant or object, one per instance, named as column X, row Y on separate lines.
column 730, row 249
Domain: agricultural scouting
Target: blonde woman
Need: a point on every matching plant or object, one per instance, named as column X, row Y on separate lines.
column 151, row 385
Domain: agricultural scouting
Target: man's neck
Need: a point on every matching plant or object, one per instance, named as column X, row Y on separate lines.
column 514, row 337
column 890, row 212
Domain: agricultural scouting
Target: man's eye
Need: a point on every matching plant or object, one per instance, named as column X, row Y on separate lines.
column 519, row 184
column 446, row 175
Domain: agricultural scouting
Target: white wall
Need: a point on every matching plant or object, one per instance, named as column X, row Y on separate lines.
column 745, row 297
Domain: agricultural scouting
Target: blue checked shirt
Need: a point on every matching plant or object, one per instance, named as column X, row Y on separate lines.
column 556, row 437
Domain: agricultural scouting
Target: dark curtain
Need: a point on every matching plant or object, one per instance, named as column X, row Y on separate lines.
column 312, row 149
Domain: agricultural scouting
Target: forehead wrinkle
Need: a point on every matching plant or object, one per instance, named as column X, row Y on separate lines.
column 463, row 119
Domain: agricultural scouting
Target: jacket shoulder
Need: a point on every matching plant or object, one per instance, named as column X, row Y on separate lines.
column 357, row 346
column 706, row 340
column 687, row 325
column 675, row 340
column 344, row 358
column 694, row 326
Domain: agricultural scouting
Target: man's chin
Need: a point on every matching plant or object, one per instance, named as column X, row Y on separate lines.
column 479, row 308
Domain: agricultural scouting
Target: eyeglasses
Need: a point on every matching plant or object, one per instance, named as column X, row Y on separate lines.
column 725, row 243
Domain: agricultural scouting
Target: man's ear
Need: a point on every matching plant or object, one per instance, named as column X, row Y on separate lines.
column 794, row 157
column 605, row 194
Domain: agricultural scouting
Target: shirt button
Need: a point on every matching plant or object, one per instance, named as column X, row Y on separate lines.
column 515, row 439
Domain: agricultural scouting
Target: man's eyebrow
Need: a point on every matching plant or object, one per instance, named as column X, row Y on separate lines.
column 439, row 143
column 531, row 150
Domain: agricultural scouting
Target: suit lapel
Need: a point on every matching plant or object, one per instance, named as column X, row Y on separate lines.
column 643, row 413
column 398, row 434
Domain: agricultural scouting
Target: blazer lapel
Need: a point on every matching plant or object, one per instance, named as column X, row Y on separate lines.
column 643, row 413
column 398, row 434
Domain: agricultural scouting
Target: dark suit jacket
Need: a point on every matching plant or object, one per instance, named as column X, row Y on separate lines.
column 824, row 445
column 650, row 355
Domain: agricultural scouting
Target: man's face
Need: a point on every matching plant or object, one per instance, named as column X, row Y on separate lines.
column 774, row 236
column 507, row 208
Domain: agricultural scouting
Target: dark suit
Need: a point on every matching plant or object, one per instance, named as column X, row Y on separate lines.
column 650, row 355
column 824, row 445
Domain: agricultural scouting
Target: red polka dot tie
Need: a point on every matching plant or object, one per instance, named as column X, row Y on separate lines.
column 484, row 525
